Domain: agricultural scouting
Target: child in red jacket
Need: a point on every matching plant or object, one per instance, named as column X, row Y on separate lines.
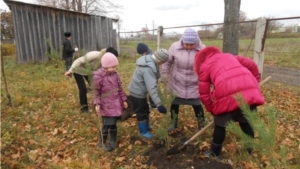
column 229, row 75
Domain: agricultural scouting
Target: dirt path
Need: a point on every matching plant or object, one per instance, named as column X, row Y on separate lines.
column 283, row 75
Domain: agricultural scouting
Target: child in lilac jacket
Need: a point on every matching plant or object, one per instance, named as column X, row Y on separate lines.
column 109, row 99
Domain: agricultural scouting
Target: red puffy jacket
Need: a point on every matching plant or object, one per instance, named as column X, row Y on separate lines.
column 230, row 75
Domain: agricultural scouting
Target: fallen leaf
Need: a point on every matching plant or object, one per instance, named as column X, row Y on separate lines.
column 33, row 155
column 138, row 143
column 120, row 159
column 14, row 156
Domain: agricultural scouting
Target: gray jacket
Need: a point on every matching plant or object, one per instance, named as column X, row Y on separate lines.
column 144, row 79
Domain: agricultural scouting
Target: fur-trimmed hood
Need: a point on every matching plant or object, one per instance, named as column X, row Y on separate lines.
column 202, row 55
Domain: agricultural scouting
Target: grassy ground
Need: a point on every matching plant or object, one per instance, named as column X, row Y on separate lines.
column 44, row 128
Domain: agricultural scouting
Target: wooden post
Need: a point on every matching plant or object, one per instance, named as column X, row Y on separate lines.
column 118, row 42
column 258, row 50
column 4, row 80
column 159, row 35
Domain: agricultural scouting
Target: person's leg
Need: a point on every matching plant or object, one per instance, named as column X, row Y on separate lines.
column 68, row 63
column 174, row 117
column 216, row 145
column 103, row 135
column 247, row 129
column 87, row 79
column 82, row 92
column 199, row 113
column 141, row 108
column 113, row 135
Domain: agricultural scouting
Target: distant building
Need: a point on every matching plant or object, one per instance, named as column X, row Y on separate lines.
column 171, row 35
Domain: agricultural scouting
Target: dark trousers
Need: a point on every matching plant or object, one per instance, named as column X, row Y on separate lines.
column 140, row 107
column 68, row 62
column 82, row 89
column 220, row 132
column 105, row 128
column 198, row 110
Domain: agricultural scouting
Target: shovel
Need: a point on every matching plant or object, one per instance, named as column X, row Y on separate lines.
column 179, row 146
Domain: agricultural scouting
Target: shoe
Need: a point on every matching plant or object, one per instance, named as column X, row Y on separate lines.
column 84, row 109
column 142, row 125
column 214, row 152
column 113, row 138
column 104, row 136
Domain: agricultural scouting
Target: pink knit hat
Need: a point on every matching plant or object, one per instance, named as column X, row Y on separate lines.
column 109, row 60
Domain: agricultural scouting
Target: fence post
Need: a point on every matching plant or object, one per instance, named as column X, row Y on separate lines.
column 259, row 40
column 159, row 35
column 118, row 42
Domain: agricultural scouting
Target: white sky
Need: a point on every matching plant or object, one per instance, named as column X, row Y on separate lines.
column 170, row 13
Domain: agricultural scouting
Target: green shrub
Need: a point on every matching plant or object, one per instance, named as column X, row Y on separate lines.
column 8, row 49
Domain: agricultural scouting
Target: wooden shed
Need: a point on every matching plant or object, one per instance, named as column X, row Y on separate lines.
column 34, row 24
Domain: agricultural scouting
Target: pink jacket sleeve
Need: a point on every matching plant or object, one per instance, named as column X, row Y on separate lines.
column 204, row 88
column 250, row 65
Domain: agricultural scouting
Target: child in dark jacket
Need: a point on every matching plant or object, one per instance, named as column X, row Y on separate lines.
column 109, row 99
column 230, row 76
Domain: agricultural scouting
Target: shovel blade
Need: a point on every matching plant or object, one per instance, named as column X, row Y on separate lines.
column 175, row 149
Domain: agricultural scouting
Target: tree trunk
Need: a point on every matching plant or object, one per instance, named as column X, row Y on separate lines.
column 231, row 26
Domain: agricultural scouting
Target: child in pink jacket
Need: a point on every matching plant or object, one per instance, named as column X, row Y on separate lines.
column 109, row 99
column 229, row 76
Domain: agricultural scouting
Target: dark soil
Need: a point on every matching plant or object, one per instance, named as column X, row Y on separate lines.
column 189, row 157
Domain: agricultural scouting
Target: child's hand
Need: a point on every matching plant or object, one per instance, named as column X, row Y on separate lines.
column 125, row 105
column 97, row 108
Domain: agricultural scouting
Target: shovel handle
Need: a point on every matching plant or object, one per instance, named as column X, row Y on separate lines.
column 265, row 80
column 199, row 132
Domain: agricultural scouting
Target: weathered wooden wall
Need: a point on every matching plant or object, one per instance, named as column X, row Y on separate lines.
column 34, row 24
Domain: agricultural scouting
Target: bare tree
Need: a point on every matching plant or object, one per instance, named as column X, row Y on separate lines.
column 231, row 26
column 7, row 27
column 96, row 7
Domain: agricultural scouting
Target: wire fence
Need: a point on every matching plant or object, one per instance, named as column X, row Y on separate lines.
column 281, row 37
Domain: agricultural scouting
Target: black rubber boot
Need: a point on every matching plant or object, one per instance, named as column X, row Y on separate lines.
column 84, row 109
column 104, row 135
column 174, row 121
column 214, row 152
column 113, row 138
